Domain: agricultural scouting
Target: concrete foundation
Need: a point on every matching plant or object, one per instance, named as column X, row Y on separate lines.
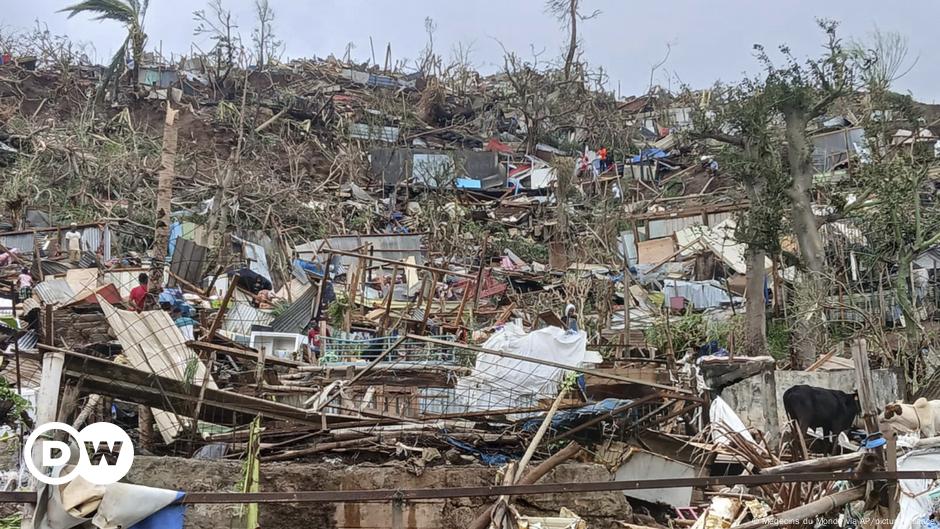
column 600, row 509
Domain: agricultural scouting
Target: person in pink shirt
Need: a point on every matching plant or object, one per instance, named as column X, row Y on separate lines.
column 26, row 284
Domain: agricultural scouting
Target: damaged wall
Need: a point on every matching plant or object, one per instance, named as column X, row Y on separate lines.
column 758, row 400
column 600, row 509
column 75, row 328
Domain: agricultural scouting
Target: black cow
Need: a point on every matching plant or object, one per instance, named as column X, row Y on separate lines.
column 811, row 407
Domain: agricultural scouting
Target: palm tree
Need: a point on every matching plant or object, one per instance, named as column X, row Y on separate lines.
column 128, row 12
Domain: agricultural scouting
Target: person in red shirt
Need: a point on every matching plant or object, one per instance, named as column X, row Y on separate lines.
column 139, row 293
column 314, row 343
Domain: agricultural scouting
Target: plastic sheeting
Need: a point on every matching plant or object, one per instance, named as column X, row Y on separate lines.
column 721, row 413
column 498, row 383
column 701, row 294
column 114, row 506
column 915, row 499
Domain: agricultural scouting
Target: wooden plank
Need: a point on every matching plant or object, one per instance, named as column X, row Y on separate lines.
column 401, row 263
column 96, row 375
column 655, row 250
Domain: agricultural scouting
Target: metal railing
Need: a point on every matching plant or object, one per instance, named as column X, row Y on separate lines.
column 339, row 351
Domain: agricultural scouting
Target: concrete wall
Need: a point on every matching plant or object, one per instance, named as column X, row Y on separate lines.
column 600, row 509
column 755, row 400
column 758, row 400
column 887, row 383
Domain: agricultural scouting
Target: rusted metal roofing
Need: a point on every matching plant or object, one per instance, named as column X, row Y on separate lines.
column 188, row 262
column 298, row 315
column 54, row 291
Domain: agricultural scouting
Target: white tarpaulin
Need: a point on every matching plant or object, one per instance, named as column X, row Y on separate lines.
column 498, row 383
column 915, row 498
column 721, row 414
column 113, row 506
column 701, row 294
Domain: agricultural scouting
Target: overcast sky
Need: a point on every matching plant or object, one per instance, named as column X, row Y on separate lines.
column 709, row 39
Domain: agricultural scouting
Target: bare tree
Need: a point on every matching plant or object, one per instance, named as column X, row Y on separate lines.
column 218, row 25
column 267, row 45
column 568, row 14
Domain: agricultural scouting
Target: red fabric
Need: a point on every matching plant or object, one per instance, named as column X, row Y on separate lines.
column 138, row 295
column 313, row 336
column 495, row 145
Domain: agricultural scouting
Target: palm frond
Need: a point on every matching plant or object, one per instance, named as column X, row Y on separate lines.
column 105, row 10
column 118, row 63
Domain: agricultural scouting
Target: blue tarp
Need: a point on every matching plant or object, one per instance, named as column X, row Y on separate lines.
column 309, row 266
column 169, row 517
column 649, row 154
column 493, row 460
column 176, row 231
column 468, row 183
column 567, row 419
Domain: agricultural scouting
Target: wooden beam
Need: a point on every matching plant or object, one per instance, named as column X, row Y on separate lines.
column 104, row 377
column 244, row 354
column 809, row 510
column 814, row 465
column 402, row 263
column 220, row 315
column 363, row 373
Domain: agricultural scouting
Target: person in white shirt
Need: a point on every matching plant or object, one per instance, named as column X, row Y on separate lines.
column 73, row 243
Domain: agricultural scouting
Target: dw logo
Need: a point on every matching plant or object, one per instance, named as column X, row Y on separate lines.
column 105, row 453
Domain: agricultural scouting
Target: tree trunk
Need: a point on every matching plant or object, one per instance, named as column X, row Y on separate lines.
column 137, row 53
column 755, row 319
column 799, row 155
column 165, row 178
column 573, row 42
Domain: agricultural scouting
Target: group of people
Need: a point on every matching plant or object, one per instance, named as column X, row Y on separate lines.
column 170, row 300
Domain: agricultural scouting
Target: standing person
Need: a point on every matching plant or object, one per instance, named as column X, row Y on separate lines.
column 26, row 285
column 602, row 154
column 73, row 242
column 314, row 343
column 139, row 293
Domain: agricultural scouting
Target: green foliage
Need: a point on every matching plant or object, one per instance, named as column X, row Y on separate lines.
column 13, row 521
column 9, row 394
column 687, row 332
column 336, row 311
column 778, row 339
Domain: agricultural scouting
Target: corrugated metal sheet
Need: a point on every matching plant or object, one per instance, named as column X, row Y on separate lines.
column 22, row 242
column 389, row 246
column 627, row 239
column 50, row 267
column 30, row 372
column 93, row 238
column 88, row 260
column 298, row 315
column 125, row 281
column 153, row 343
column 666, row 227
column 363, row 131
column 241, row 316
column 188, row 262
column 54, row 291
